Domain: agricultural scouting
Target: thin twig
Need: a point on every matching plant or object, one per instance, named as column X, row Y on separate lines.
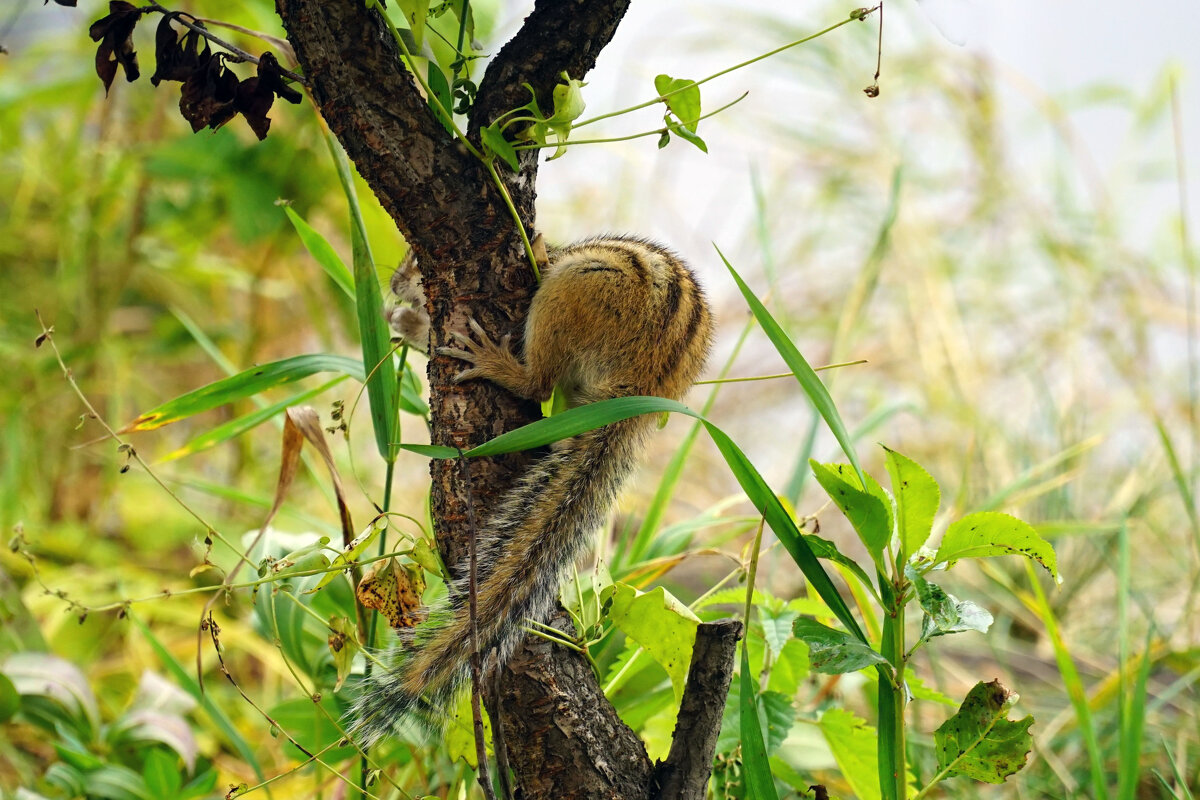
column 238, row 53
column 485, row 778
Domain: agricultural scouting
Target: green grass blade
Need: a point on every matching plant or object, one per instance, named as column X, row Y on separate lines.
column 322, row 251
column 759, row 783
column 185, row 681
column 236, row 427
column 1181, row 481
column 382, row 390
column 577, row 420
column 1071, row 682
column 816, row 391
column 242, row 385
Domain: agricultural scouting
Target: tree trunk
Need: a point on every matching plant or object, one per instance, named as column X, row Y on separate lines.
column 564, row 739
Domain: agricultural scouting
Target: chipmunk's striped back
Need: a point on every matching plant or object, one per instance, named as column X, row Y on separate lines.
column 613, row 317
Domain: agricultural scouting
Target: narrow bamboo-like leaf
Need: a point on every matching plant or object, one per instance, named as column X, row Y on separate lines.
column 376, row 341
column 757, row 771
column 816, row 391
column 236, row 427
column 320, row 249
column 990, row 533
column 917, row 498
column 184, row 679
column 244, row 384
column 577, row 420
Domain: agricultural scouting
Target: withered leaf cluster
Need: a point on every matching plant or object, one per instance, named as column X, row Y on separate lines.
column 211, row 94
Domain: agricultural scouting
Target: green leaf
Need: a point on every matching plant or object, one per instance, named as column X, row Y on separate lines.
column 10, row 701
column 684, row 102
column 660, row 624
column 945, row 613
column 319, row 248
column 577, row 420
column 832, row 651
column 917, row 499
column 242, row 385
column 790, row 668
column 823, row 548
column 200, row 785
column 188, row 683
column 373, row 329
column 314, row 727
column 780, row 714
column 352, row 551
column 816, row 391
column 777, row 628
column 852, row 742
column 440, row 95
column 239, row 425
column 495, row 143
column 415, row 12
column 868, row 511
column 684, row 133
column 116, row 782
column 979, row 741
column 161, row 774
column 990, row 533
column 411, row 393
column 757, row 772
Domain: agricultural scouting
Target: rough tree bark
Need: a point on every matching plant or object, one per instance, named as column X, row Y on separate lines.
column 563, row 737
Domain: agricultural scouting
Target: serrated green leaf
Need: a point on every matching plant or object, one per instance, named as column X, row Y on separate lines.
column 319, row 248
column 852, row 742
column 868, row 511
column 246, row 383
column 945, row 613
column 979, row 741
column 917, row 499
column 990, row 533
column 777, row 628
column 832, row 651
column 790, row 668
column 660, row 624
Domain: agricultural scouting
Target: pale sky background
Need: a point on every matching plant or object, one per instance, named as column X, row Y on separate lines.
column 1061, row 48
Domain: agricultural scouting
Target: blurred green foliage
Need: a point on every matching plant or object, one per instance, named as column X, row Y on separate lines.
column 1023, row 346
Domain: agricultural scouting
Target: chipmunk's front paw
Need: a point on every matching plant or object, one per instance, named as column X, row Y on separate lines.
column 484, row 355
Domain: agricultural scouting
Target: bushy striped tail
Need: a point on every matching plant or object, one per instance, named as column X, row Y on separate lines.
column 538, row 531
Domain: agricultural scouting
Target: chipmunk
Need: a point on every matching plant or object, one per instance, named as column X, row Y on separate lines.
column 613, row 317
